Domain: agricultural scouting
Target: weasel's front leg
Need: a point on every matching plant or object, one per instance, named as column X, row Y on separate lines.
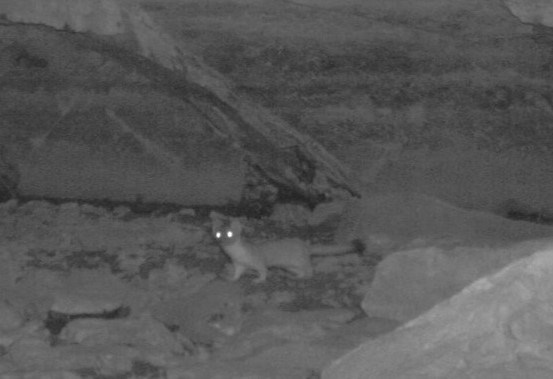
column 238, row 271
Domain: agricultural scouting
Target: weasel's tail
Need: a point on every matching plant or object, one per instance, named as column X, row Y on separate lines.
column 356, row 246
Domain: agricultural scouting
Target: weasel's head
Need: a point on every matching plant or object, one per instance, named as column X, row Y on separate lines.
column 227, row 233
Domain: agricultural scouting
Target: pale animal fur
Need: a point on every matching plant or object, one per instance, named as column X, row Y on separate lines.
column 291, row 254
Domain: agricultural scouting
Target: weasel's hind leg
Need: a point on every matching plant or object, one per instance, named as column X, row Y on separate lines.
column 240, row 268
column 262, row 270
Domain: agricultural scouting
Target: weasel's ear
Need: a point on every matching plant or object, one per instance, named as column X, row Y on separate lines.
column 236, row 225
column 216, row 216
column 216, row 224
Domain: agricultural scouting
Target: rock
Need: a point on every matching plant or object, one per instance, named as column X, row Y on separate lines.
column 308, row 356
column 237, row 370
column 187, row 212
column 94, row 212
column 205, row 315
column 41, row 374
column 408, row 283
column 9, row 206
column 532, row 11
column 69, row 213
column 498, row 327
column 186, row 134
column 326, row 211
column 283, row 333
column 89, row 292
column 121, row 211
column 143, row 333
column 290, row 215
column 32, row 354
column 32, row 329
column 9, row 317
column 104, row 18
column 399, row 219
column 354, row 333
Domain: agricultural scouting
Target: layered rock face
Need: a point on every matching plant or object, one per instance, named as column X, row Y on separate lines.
column 121, row 110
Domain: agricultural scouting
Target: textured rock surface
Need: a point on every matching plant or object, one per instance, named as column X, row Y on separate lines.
column 498, row 327
column 408, row 283
column 196, row 93
column 532, row 11
column 78, row 123
column 128, row 294
column 421, row 95
column 450, row 98
column 395, row 220
column 432, row 249
column 105, row 17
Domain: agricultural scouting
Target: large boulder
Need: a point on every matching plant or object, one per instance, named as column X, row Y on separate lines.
column 408, row 283
column 431, row 249
column 122, row 111
column 498, row 327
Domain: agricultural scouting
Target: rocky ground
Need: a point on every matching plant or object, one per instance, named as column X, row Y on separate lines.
column 102, row 292
column 447, row 98
column 111, row 291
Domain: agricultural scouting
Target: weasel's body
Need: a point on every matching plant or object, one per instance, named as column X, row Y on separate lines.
column 291, row 254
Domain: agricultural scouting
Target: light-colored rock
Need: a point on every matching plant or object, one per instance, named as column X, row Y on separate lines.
column 143, row 333
column 104, row 17
column 31, row 354
column 205, row 314
column 101, row 17
column 89, row 292
column 399, row 219
column 408, row 283
column 498, row 327
column 532, row 11
column 44, row 374
column 8, row 206
column 236, row 370
column 291, row 336
column 307, row 356
column 189, row 212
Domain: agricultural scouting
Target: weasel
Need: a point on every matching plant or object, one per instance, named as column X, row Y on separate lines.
column 292, row 254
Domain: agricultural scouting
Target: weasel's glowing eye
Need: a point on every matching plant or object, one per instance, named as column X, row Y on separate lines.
column 229, row 234
column 218, row 235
